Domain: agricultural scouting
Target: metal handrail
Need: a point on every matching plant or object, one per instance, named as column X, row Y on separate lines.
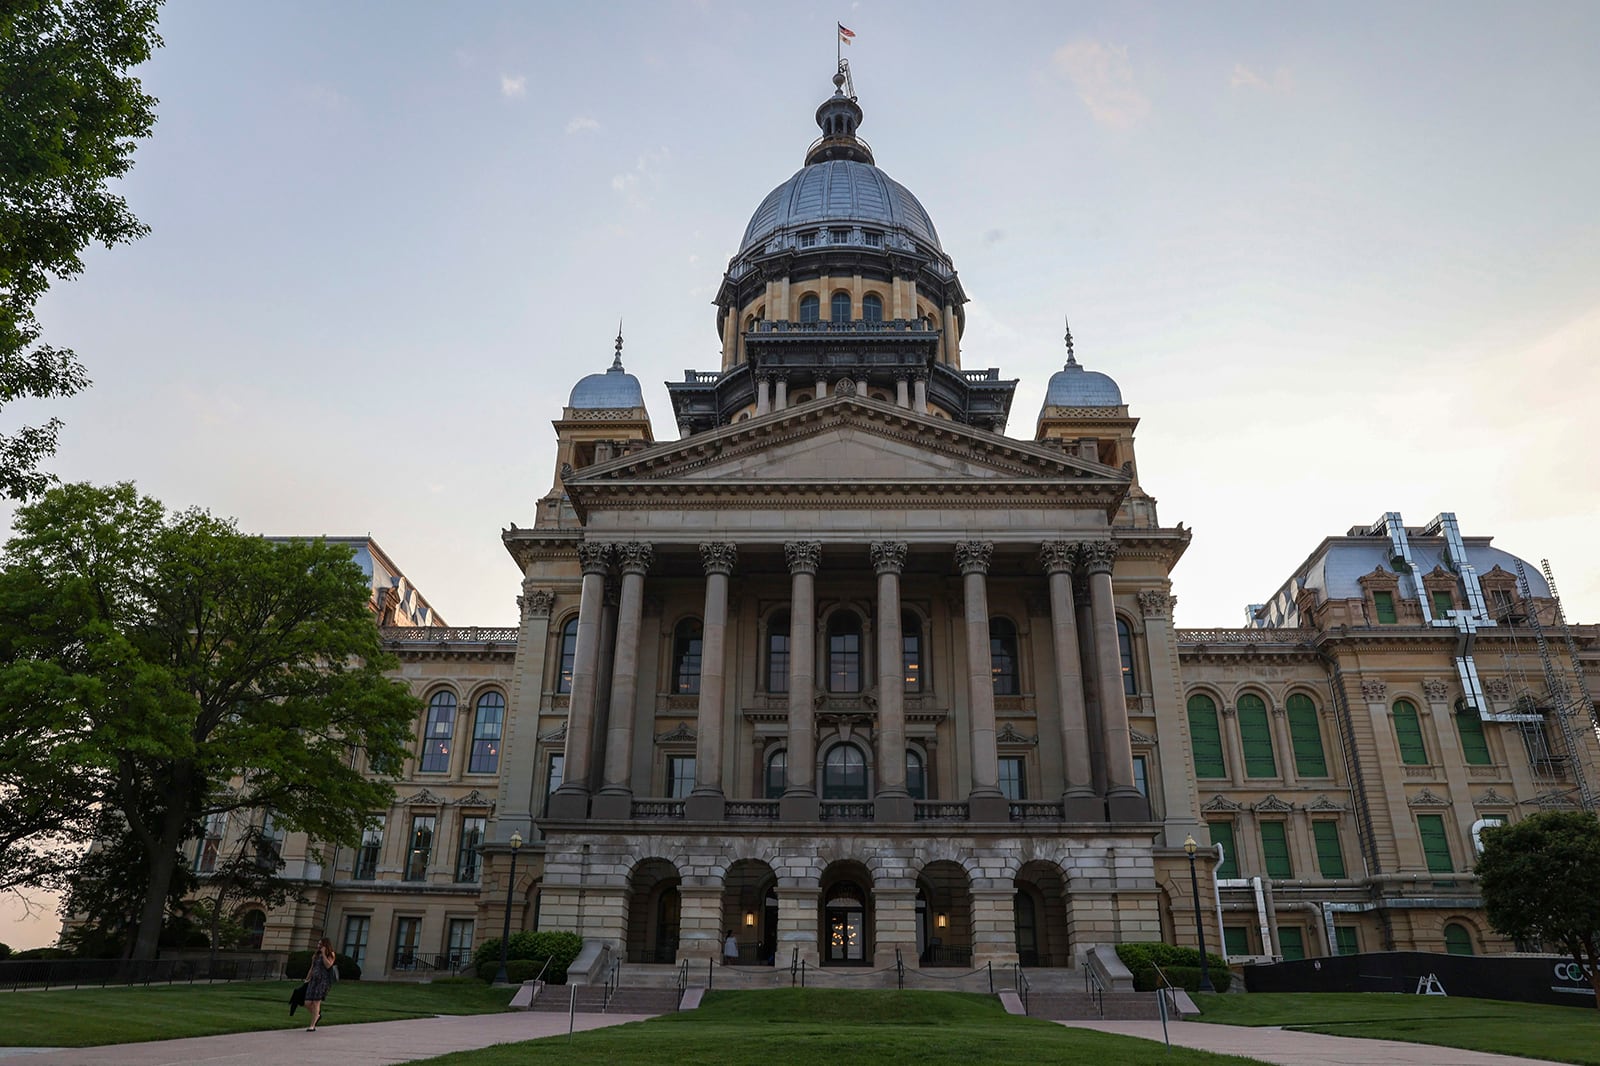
column 794, row 966
column 899, row 971
column 1093, row 987
column 1024, row 986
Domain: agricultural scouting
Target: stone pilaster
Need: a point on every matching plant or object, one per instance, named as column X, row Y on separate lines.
column 519, row 761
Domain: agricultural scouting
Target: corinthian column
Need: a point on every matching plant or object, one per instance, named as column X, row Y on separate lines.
column 892, row 803
column 985, row 802
column 799, row 803
column 571, row 800
column 705, row 803
column 1123, row 802
column 1079, row 802
column 616, row 794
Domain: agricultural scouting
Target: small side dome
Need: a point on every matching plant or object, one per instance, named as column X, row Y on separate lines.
column 1073, row 386
column 616, row 388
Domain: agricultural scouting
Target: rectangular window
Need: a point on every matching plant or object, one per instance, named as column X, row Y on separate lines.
column 554, row 771
column 1408, row 734
column 467, row 859
column 1255, row 737
column 407, row 936
column 422, row 826
column 1236, row 938
column 269, row 845
column 872, row 239
column 778, row 662
column 911, row 660
column 458, row 945
column 356, row 931
column 1305, row 736
column 1474, row 745
column 1330, row 857
column 1130, row 684
column 839, row 236
column 485, row 758
column 209, row 849
column 371, row 847
column 436, row 737
column 1206, row 738
column 1502, row 604
column 1275, row 850
column 1443, row 603
column 1291, row 942
column 1222, row 833
column 680, row 775
column 1383, row 604
column 1013, row 777
column 1435, row 845
column 808, row 240
column 1345, row 940
column 1141, row 775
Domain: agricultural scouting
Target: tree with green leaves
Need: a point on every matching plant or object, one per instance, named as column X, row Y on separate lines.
column 174, row 668
column 70, row 116
column 1540, row 880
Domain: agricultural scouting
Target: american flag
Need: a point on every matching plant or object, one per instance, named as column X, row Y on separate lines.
column 845, row 33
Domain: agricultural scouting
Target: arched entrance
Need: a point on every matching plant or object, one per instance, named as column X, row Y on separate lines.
column 1040, row 908
column 944, row 902
column 750, row 909
column 653, row 908
column 846, row 918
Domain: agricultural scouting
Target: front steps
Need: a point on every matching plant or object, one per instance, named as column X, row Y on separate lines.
column 591, row 999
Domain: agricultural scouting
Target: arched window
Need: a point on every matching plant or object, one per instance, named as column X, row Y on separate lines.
column 1003, row 656
column 438, row 733
column 844, row 652
column 844, row 773
column 916, row 775
column 569, row 654
column 810, row 308
column 1457, row 939
column 1305, row 736
column 686, row 657
column 1474, row 745
column 911, row 650
column 1206, row 737
column 1130, row 684
column 253, row 923
column 872, row 308
column 486, row 730
column 1408, row 732
column 1255, row 737
column 839, row 307
column 778, row 652
column 776, row 773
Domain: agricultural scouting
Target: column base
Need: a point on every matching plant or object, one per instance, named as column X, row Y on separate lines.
column 612, row 806
column 569, row 806
column 1083, row 807
column 1127, row 806
column 894, row 807
column 708, row 807
column 800, row 807
column 989, row 807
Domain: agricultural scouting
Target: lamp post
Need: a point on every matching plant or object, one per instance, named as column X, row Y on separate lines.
column 505, row 933
column 1189, row 847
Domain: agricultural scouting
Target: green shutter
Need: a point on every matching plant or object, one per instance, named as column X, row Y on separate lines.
column 1206, row 738
column 1384, row 602
column 1435, row 845
column 1236, row 938
column 1275, row 850
column 1443, row 603
column 1330, row 859
column 1306, row 736
column 1408, row 731
column 1291, row 942
column 1222, row 833
column 1344, row 940
column 1457, row 941
column 1255, row 737
column 1474, row 745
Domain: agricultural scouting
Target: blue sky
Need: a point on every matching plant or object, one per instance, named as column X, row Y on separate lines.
column 1342, row 258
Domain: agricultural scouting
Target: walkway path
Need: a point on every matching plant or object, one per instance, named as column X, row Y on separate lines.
column 1288, row 1048
column 364, row 1044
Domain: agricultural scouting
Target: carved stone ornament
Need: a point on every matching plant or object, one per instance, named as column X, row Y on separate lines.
column 1141, row 739
column 566, row 471
column 1554, row 800
column 682, row 734
column 1374, row 691
column 1220, row 803
column 972, row 556
column 804, row 556
column 1155, row 603
column 422, row 798
column 593, row 557
column 1323, row 803
column 1058, row 556
column 558, row 735
column 1435, row 689
column 634, row 557
column 888, row 556
column 1492, row 798
column 474, row 798
column 536, row 603
column 1427, row 798
column 718, row 556
column 1008, row 735
column 844, row 387
column 1497, row 688
column 1099, row 556
column 1272, row 805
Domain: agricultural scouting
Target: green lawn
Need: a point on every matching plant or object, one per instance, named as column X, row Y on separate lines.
column 1565, row 1034
column 93, row 1016
column 837, row 1026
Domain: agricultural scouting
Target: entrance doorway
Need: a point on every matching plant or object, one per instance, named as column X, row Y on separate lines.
column 653, row 912
column 846, row 931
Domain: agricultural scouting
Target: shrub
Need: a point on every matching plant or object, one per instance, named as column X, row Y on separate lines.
column 300, row 961
column 1180, row 964
column 43, row 953
column 5, row 950
column 520, row 970
column 555, row 945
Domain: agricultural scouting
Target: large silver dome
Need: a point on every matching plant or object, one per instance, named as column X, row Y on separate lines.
column 839, row 192
column 616, row 388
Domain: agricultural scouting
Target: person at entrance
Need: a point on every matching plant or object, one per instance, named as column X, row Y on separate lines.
column 730, row 948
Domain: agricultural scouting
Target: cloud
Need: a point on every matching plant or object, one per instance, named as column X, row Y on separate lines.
column 1245, row 78
column 513, row 87
column 632, row 184
column 1103, row 78
column 994, row 236
column 580, row 123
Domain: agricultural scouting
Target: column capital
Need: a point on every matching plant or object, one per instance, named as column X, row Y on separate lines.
column 718, row 556
column 1058, row 556
column 902, row 373
column 804, row 556
column 593, row 556
column 634, row 557
column 536, row 602
column 888, row 556
column 1098, row 556
column 972, row 556
column 1156, row 603
column 763, row 375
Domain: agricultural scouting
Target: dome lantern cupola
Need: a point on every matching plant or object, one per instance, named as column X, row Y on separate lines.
column 838, row 117
column 616, row 388
column 1073, row 386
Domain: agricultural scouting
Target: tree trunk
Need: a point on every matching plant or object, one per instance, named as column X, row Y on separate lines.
column 170, row 833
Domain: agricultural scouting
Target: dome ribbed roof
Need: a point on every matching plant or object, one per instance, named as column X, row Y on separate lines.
column 1073, row 386
column 614, row 389
column 839, row 192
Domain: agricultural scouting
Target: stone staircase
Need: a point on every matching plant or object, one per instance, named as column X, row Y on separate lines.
column 1080, row 1006
column 591, row 999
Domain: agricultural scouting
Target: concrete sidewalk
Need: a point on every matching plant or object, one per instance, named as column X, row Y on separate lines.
column 364, row 1044
column 1288, row 1048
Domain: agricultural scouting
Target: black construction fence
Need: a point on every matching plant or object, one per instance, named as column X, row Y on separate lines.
column 97, row 973
column 1528, row 979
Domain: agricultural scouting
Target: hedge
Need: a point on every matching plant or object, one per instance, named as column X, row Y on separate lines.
column 1180, row 964
column 300, row 962
column 559, row 947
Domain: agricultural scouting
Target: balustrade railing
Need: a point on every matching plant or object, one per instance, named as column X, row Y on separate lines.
column 1036, row 811
column 1245, row 636
column 450, row 634
column 751, row 810
column 859, row 325
column 657, row 810
column 846, row 811
column 939, row 811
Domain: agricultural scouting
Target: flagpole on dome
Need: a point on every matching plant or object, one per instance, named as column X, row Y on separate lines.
column 845, row 34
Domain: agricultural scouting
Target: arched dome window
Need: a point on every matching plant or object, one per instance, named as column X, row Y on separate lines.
column 839, row 307
column 916, row 775
column 872, row 308
column 776, row 772
column 844, row 773
column 810, row 308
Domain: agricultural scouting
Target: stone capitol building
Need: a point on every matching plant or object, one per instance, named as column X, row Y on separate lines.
column 849, row 670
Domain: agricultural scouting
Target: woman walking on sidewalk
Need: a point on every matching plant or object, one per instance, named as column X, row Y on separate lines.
column 317, row 980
